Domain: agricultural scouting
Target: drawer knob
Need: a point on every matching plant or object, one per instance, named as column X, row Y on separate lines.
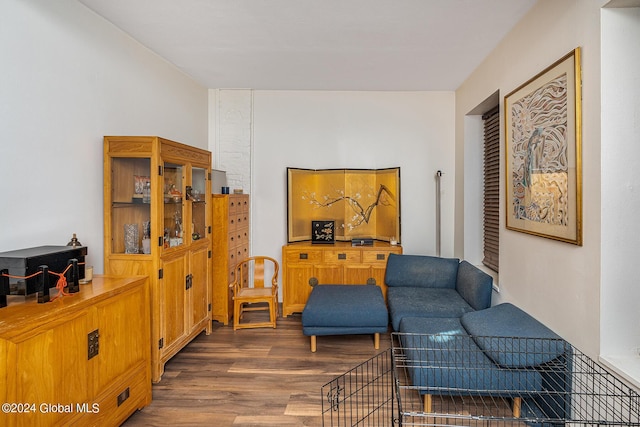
column 380, row 257
column 371, row 281
column 313, row 282
column 304, row 255
column 342, row 256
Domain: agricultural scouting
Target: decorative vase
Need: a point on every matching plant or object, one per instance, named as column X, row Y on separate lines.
column 131, row 239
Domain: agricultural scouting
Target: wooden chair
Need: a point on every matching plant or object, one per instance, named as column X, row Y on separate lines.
column 257, row 297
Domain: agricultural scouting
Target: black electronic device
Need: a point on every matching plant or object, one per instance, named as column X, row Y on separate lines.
column 26, row 262
column 4, row 287
column 362, row 241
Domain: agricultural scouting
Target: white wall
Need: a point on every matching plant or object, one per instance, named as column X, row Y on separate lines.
column 307, row 129
column 67, row 78
column 620, row 325
column 556, row 282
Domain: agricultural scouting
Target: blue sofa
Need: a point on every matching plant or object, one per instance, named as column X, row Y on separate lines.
column 454, row 341
column 434, row 287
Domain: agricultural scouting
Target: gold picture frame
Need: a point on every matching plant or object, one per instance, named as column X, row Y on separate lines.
column 543, row 137
column 363, row 203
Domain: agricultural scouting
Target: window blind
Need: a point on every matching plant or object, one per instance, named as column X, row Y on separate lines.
column 491, row 203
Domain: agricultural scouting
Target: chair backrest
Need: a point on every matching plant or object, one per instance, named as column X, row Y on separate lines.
column 252, row 271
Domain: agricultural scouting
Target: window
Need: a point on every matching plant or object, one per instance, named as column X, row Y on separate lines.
column 491, row 202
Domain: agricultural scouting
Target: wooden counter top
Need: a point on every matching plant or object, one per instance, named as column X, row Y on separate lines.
column 24, row 315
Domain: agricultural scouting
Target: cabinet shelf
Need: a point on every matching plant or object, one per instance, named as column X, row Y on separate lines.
column 130, row 204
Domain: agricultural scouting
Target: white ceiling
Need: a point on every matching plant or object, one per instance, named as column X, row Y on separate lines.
column 428, row 45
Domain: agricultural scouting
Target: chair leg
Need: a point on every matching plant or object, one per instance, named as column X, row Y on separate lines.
column 313, row 344
column 236, row 315
column 376, row 341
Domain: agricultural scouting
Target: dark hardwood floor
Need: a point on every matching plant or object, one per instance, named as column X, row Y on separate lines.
column 252, row 377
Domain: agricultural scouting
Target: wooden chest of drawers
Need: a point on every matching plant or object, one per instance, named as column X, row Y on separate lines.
column 305, row 265
column 230, row 246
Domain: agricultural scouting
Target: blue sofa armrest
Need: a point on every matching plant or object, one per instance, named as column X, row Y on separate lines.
column 474, row 285
column 513, row 338
column 421, row 271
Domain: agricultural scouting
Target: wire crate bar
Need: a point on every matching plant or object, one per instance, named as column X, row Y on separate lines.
column 444, row 380
column 447, row 380
column 362, row 396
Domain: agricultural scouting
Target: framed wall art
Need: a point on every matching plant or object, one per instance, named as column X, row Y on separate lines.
column 543, row 153
column 360, row 202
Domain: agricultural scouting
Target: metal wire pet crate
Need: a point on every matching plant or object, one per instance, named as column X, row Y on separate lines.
column 362, row 396
column 460, row 380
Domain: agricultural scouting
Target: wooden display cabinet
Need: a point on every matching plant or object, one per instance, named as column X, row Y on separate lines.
column 306, row 265
column 230, row 246
column 157, row 223
column 81, row 360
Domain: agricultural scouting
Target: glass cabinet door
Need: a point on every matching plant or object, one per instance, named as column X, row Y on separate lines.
column 173, row 212
column 131, row 205
column 196, row 195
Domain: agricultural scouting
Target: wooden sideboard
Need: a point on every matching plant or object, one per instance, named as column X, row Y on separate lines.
column 82, row 359
column 306, row 264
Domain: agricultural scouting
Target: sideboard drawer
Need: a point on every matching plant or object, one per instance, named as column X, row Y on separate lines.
column 351, row 256
column 304, row 256
column 372, row 257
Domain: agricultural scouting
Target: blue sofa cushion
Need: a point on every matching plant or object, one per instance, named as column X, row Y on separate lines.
column 421, row 271
column 512, row 338
column 342, row 308
column 474, row 285
column 441, row 356
column 430, row 326
column 424, row 302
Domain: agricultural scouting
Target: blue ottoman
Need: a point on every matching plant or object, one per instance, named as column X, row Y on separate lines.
column 345, row 310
